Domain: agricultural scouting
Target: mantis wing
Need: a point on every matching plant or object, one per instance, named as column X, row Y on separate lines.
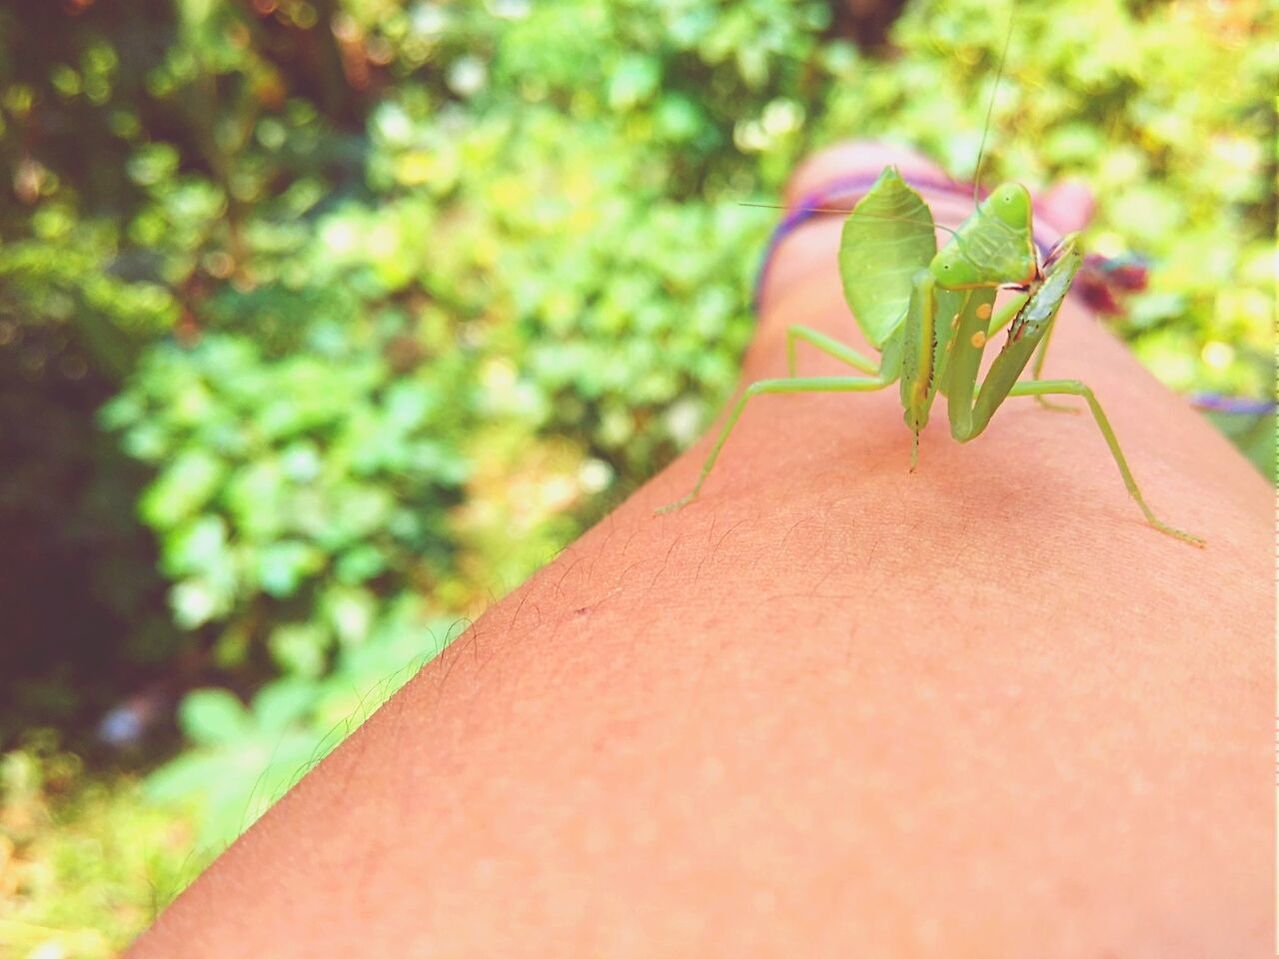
column 888, row 238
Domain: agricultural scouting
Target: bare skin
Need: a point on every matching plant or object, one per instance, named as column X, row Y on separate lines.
column 829, row 709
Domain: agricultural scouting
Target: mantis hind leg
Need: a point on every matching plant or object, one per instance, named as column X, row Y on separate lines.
column 1039, row 388
column 829, row 346
column 815, row 384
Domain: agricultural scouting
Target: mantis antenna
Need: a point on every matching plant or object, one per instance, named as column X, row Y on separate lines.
column 990, row 105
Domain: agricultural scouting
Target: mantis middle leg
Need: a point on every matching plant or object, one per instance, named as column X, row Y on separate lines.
column 813, row 384
column 829, row 346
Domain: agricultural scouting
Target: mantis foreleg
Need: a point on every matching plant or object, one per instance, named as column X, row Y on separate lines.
column 814, row 384
column 1003, row 317
column 963, row 361
column 1006, row 314
column 1031, row 326
column 919, row 357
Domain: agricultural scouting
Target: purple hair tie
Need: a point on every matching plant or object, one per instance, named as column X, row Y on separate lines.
column 1238, row 405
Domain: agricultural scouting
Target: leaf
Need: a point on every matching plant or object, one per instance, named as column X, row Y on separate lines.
column 213, row 717
column 197, row 600
column 187, row 775
column 185, row 486
column 360, row 563
column 887, row 239
column 350, row 613
column 633, row 81
column 300, row 648
column 196, row 546
column 283, row 702
column 282, row 566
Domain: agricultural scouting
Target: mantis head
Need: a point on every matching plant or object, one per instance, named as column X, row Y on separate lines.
column 994, row 246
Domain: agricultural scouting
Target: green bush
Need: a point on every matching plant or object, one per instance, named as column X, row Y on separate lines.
column 243, row 758
column 330, row 306
column 549, row 243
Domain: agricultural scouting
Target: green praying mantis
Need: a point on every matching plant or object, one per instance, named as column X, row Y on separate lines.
column 931, row 313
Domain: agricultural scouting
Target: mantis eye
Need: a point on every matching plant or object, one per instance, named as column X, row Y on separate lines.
column 1011, row 204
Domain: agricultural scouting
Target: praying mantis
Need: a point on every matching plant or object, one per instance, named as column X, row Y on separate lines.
column 931, row 313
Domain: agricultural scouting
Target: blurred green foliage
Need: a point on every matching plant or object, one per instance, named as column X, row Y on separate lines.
column 85, row 862
column 330, row 319
column 244, row 757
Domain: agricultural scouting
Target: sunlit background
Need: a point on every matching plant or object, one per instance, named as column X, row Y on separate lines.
column 324, row 322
